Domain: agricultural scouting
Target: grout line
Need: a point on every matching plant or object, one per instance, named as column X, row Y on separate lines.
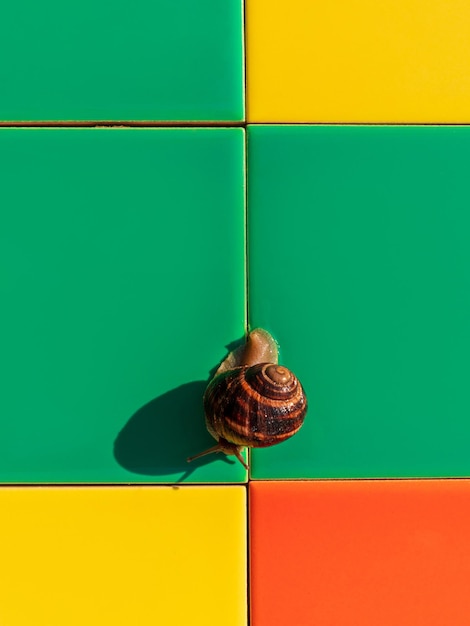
column 244, row 57
column 247, row 309
column 100, row 124
column 247, row 275
column 113, row 485
column 369, row 479
column 247, row 314
column 236, row 484
column 359, row 124
column 245, row 234
column 121, row 124
column 248, row 553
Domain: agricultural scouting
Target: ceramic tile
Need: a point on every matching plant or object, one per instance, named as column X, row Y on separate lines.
column 122, row 556
column 359, row 552
column 402, row 61
column 177, row 61
column 360, row 267
column 114, row 246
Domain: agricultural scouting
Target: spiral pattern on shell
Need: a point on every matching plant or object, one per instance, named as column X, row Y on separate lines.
column 256, row 406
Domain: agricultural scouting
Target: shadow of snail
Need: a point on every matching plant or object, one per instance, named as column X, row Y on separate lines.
column 159, row 437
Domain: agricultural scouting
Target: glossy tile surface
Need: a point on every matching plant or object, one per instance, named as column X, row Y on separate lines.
column 360, row 267
column 113, row 248
column 122, row 556
column 401, row 61
column 91, row 60
column 359, row 552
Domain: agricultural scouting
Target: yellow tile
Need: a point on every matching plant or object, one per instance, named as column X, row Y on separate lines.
column 362, row 61
column 133, row 556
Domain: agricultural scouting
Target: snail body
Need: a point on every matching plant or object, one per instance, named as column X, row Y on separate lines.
column 252, row 401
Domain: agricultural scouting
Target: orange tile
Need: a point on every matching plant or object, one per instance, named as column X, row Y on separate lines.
column 360, row 553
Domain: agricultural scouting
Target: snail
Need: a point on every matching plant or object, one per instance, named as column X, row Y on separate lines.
column 252, row 401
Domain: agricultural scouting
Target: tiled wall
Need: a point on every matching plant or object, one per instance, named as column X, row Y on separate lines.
column 146, row 220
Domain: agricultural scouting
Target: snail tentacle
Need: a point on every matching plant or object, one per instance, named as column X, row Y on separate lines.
column 223, row 446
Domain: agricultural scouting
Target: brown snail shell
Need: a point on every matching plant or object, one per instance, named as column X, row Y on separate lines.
column 252, row 401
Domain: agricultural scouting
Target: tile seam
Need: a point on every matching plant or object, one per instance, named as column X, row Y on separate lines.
column 121, row 124
column 216, row 125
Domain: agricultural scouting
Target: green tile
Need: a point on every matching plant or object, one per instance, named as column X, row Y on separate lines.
column 360, row 266
column 114, row 248
column 152, row 60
